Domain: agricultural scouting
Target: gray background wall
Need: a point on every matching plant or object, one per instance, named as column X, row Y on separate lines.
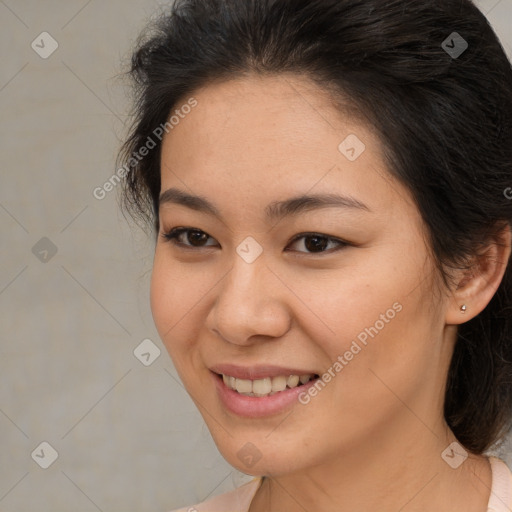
column 74, row 279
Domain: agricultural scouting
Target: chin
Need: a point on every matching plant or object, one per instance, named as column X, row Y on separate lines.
column 257, row 454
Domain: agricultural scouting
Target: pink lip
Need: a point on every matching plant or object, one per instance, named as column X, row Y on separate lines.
column 257, row 372
column 257, row 407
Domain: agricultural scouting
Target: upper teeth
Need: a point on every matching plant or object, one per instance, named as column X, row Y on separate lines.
column 266, row 386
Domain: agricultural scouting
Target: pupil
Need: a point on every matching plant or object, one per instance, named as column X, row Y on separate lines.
column 196, row 236
column 315, row 245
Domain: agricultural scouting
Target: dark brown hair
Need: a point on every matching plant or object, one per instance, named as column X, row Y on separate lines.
column 445, row 121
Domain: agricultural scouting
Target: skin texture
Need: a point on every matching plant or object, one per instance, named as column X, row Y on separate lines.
column 372, row 438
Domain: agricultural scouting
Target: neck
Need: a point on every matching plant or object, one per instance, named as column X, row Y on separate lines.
column 384, row 475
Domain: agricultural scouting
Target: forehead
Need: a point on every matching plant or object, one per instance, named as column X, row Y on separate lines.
column 257, row 108
column 279, row 134
column 261, row 107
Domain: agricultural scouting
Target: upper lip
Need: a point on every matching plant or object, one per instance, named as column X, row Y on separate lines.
column 257, row 371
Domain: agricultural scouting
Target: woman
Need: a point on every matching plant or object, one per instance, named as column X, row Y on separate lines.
column 327, row 183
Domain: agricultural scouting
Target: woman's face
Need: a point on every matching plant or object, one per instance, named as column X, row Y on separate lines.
column 265, row 288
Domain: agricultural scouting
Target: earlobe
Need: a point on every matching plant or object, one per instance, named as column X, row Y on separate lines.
column 478, row 284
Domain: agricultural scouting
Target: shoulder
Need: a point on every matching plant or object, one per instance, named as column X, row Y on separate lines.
column 240, row 498
column 501, row 491
column 237, row 500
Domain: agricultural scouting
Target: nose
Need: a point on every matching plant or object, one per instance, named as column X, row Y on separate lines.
column 250, row 303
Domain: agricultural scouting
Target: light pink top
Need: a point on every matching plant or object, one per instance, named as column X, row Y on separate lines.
column 240, row 499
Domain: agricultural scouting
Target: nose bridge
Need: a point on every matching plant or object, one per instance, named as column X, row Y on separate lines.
column 247, row 284
column 247, row 277
column 248, row 301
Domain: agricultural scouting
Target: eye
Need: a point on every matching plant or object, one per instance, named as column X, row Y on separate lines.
column 195, row 237
column 314, row 243
column 317, row 243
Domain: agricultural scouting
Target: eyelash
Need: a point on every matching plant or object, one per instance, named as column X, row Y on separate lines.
column 172, row 235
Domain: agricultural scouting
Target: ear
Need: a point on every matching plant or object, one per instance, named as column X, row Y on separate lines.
column 476, row 285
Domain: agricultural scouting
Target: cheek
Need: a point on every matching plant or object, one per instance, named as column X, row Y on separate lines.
column 161, row 299
column 355, row 302
column 371, row 318
column 387, row 351
column 173, row 294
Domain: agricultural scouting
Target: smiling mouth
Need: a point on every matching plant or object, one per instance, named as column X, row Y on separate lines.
column 267, row 386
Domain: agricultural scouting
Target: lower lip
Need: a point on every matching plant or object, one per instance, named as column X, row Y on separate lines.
column 257, row 407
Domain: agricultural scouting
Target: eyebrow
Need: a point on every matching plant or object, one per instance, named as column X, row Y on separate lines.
column 275, row 210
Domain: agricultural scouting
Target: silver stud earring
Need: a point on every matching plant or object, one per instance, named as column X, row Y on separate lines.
column 463, row 308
